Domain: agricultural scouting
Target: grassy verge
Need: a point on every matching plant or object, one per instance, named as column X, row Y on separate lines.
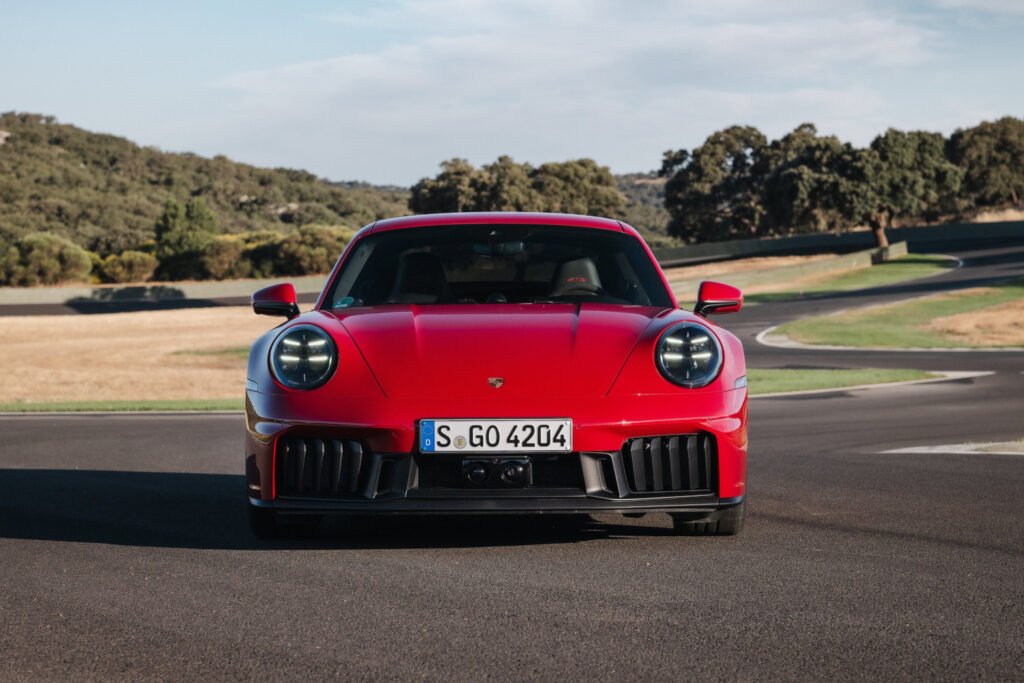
column 762, row 381
column 903, row 269
column 771, row 381
column 902, row 325
column 123, row 406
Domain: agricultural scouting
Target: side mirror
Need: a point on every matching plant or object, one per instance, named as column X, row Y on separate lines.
column 276, row 300
column 716, row 297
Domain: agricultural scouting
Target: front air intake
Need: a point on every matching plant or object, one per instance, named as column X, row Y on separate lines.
column 314, row 467
column 669, row 464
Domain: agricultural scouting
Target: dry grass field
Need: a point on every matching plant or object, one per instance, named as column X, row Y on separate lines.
column 148, row 356
column 1001, row 325
column 725, row 268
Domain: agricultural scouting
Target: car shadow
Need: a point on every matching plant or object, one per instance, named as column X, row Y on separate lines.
column 207, row 511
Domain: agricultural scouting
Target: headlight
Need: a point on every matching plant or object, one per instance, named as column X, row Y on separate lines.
column 303, row 357
column 689, row 355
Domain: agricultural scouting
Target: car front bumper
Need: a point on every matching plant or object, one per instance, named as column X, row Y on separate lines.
column 601, row 476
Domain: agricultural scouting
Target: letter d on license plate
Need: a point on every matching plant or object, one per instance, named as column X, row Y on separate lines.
column 495, row 436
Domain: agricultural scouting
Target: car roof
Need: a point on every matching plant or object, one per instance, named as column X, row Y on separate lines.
column 497, row 218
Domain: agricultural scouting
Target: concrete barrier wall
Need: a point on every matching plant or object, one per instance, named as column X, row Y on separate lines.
column 842, row 242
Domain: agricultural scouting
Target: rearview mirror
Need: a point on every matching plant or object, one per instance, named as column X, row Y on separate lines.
column 276, row 300
column 717, row 297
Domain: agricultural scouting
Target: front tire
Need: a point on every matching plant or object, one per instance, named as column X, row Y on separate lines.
column 263, row 522
column 727, row 522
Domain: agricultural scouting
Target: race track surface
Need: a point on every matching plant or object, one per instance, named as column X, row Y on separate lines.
column 126, row 555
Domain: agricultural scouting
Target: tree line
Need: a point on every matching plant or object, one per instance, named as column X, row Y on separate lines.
column 738, row 184
column 76, row 205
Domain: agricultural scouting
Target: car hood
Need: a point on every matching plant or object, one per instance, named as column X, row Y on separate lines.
column 463, row 350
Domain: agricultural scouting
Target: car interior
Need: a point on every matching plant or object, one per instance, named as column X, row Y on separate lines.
column 513, row 264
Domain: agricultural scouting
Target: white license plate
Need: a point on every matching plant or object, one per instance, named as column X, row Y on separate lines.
column 495, row 436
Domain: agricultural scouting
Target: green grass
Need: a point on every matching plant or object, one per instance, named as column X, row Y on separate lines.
column 771, row 381
column 768, row 381
column 898, row 325
column 240, row 352
column 121, row 406
column 903, row 269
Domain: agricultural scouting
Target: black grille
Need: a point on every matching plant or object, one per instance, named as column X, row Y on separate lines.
column 669, row 463
column 321, row 467
column 548, row 471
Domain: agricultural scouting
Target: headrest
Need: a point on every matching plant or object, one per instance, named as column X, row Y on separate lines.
column 420, row 280
column 578, row 276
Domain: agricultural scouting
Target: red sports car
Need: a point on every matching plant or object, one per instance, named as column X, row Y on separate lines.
column 497, row 363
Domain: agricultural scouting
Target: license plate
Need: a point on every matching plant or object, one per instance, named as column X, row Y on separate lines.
column 495, row 436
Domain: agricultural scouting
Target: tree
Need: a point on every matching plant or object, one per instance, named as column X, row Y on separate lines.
column 505, row 186
column 713, row 192
column 182, row 235
column 909, row 178
column 810, row 183
column 578, row 186
column 451, row 190
column 992, row 158
column 198, row 216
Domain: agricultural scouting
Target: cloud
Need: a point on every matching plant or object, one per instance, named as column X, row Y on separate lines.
column 545, row 80
column 989, row 6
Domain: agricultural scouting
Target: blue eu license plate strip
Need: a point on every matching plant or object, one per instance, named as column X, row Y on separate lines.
column 544, row 435
column 427, row 436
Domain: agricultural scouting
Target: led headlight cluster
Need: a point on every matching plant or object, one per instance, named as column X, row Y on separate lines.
column 689, row 355
column 303, row 357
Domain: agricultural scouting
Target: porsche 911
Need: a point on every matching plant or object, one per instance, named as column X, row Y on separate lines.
column 508, row 363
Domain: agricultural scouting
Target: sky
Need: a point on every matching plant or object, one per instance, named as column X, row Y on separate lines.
column 384, row 91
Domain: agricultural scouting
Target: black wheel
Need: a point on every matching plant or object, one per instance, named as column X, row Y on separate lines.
column 727, row 522
column 263, row 522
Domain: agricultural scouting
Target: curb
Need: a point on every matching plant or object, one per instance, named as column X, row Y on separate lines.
column 947, row 376
column 766, row 337
column 780, row 341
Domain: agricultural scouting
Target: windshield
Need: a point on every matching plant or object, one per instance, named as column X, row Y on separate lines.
column 498, row 264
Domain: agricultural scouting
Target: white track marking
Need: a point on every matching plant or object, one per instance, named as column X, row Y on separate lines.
column 1005, row 448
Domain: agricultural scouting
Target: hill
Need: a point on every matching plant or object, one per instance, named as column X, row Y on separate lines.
column 80, row 205
column 105, row 193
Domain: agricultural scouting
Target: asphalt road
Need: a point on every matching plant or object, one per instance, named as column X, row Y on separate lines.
column 125, row 553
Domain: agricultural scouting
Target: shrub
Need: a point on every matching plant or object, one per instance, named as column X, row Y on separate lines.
column 128, row 266
column 43, row 259
column 310, row 250
column 224, row 258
